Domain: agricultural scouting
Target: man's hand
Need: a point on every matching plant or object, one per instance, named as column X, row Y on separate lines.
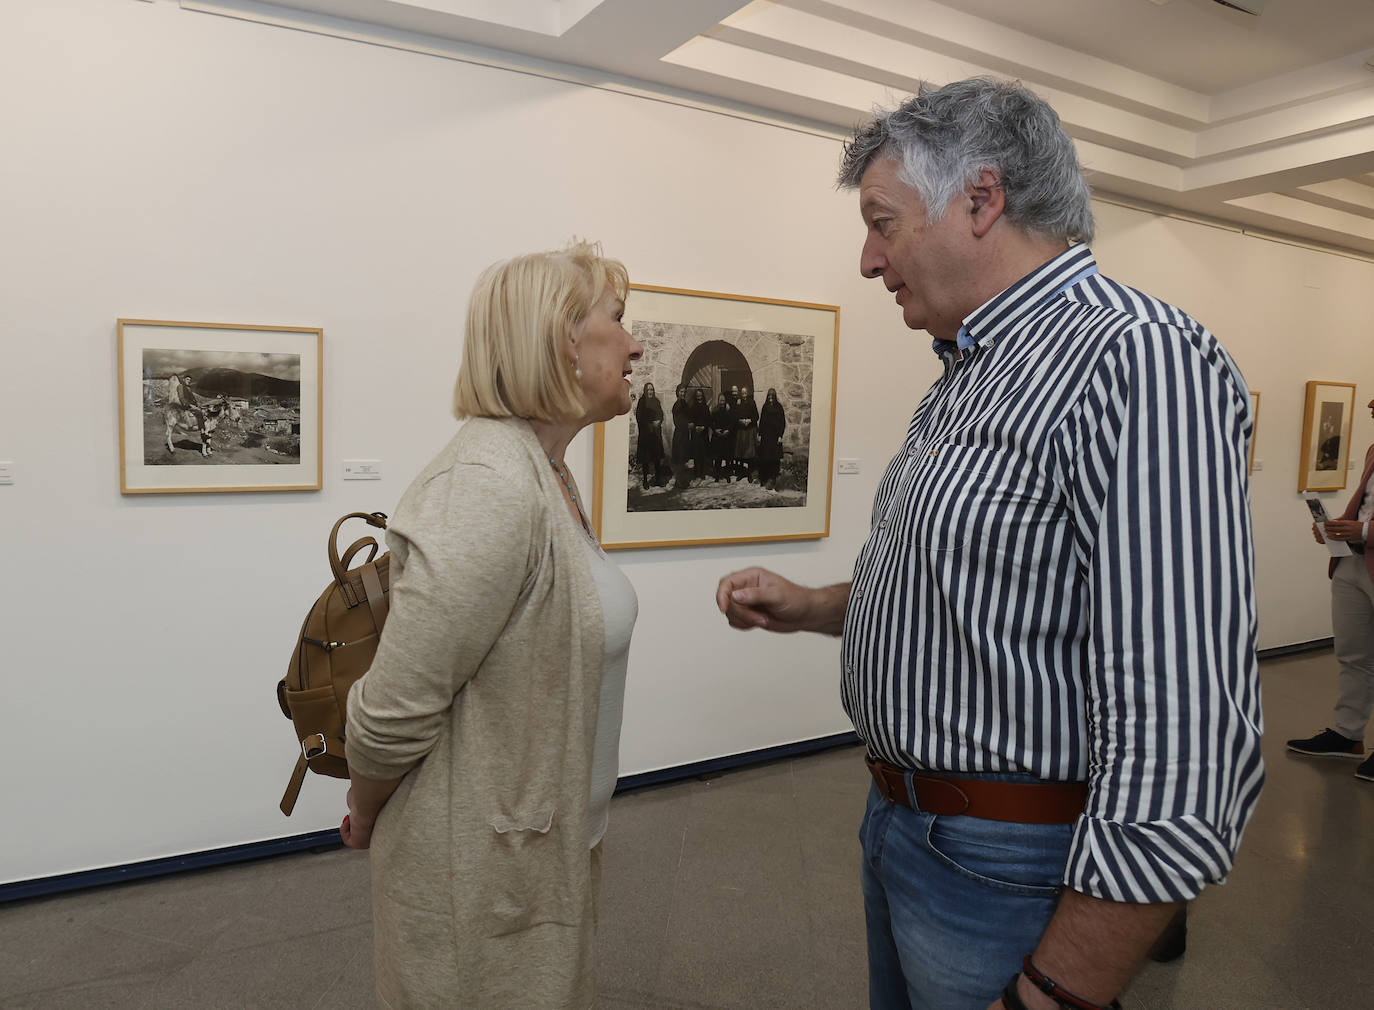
column 758, row 598
column 1345, row 530
column 1317, row 534
column 1092, row 947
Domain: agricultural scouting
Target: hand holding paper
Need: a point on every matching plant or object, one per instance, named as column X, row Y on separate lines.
column 1337, row 547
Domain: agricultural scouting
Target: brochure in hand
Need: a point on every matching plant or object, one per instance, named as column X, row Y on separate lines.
column 1318, row 510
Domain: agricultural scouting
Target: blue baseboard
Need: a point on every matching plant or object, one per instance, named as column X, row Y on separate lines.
column 43, row 886
column 700, row 768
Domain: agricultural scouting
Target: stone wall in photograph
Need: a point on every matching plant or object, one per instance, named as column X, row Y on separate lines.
column 781, row 361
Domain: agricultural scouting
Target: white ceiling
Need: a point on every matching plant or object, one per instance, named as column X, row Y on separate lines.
column 1263, row 121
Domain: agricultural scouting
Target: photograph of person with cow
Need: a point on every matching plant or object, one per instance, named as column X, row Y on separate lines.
column 220, row 407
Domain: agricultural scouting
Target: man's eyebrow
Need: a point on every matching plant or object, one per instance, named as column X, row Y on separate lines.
column 871, row 202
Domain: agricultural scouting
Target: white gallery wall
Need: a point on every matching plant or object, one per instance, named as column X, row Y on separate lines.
column 172, row 165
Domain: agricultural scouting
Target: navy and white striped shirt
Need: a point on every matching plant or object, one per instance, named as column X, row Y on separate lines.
column 1059, row 578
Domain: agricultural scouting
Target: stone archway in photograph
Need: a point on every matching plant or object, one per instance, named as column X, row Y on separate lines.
column 714, row 367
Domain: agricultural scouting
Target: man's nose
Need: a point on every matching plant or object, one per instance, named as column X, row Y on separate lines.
column 872, row 262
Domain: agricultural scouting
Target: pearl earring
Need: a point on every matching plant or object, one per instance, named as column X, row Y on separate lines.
column 577, row 369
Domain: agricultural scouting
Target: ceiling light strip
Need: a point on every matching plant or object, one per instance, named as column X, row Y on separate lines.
column 1159, row 210
column 498, row 59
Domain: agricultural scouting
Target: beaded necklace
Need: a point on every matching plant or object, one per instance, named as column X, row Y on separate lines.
column 563, row 476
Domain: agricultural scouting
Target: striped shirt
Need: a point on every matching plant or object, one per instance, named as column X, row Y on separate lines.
column 1059, row 578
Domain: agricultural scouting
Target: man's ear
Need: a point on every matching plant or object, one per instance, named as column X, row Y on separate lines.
column 987, row 201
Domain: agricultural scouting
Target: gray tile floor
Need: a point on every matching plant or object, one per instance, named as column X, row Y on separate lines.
column 740, row 891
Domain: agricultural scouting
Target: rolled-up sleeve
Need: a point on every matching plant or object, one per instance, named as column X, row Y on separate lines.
column 1158, row 492
column 467, row 535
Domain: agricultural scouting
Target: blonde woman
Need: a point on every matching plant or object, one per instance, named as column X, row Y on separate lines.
column 482, row 743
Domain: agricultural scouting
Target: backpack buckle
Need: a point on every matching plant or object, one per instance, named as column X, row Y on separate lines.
column 307, row 751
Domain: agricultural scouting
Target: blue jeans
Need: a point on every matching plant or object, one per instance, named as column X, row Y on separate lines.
column 953, row 903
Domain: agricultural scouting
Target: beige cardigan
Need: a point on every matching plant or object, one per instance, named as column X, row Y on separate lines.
column 484, row 695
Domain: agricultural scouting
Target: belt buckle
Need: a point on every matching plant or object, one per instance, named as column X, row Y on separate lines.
column 309, row 752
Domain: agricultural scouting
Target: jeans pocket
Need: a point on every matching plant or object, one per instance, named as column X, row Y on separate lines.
column 1025, row 859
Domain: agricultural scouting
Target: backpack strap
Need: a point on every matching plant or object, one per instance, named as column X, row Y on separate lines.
column 293, row 788
column 376, row 597
column 312, row 746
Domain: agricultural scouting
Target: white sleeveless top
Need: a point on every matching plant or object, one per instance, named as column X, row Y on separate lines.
column 620, row 606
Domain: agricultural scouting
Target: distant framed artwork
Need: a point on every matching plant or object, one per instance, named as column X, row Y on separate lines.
column 1254, row 426
column 730, row 437
column 219, row 407
column 1327, row 418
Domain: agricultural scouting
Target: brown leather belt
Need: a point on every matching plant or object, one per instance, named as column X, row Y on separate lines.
column 1022, row 802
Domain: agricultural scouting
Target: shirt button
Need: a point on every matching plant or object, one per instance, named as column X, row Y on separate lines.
column 882, row 525
column 911, row 450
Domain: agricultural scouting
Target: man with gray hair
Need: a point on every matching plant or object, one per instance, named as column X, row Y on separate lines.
column 1049, row 636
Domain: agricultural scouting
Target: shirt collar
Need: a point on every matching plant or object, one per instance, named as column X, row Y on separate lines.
column 1001, row 313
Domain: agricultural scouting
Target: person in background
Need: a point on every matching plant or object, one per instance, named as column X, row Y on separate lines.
column 1048, row 641
column 772, row 424
column 1352, row 628
column 746, row 434
column 731, row 465
column 701, row 434
column 649, row 449
column 681, row 454
column 482, row 743
column 180, row 393
column 723, row 439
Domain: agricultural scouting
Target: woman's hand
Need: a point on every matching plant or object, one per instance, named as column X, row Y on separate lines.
column 354, row 831
column 1344, row 531
column 366, row 797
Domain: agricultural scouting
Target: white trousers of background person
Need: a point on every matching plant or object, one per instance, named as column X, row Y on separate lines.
column 1352, row 625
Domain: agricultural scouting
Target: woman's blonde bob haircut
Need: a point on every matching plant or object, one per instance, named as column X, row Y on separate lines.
column 518, row 354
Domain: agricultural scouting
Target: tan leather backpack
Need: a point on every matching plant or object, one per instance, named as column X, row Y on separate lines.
column 335, row 648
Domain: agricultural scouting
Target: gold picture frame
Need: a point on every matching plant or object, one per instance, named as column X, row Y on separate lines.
column 713, row 343
column 1327, row 418
column 218, row 407
column 1254, row 427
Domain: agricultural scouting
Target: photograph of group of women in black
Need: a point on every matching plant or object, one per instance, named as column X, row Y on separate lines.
column 733, row 440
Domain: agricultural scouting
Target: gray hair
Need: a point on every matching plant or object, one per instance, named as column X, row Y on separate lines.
column 942, row 138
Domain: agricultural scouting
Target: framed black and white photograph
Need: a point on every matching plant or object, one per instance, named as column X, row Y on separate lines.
column 1327, row 418
column 218, row 407
column 731, row 432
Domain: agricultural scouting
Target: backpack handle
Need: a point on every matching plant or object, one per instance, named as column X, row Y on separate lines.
column 362, row 544
column 340, row 568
